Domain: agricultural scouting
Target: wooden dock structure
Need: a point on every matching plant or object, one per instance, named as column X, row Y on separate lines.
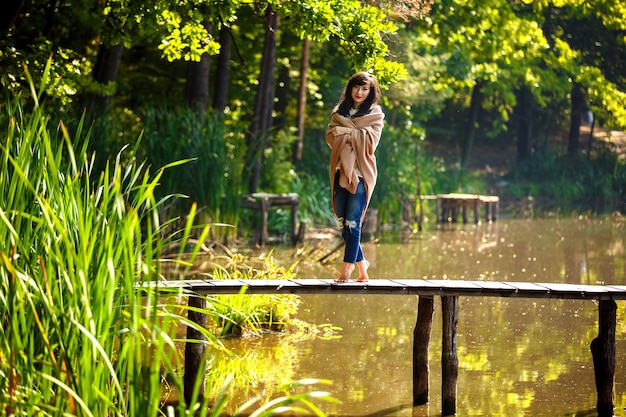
column 450, row 205
column 602, row 347
column 263, row 202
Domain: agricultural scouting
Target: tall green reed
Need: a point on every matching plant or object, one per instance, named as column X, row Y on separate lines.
column 77, row 337
column 213, row 178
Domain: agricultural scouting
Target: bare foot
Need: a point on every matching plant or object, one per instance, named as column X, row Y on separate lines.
column 363, row 266
column 346, row 271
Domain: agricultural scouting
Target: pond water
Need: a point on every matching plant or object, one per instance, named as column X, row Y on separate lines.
column 517, row 357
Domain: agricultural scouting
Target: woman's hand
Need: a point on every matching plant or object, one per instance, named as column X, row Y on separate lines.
column 341, row 130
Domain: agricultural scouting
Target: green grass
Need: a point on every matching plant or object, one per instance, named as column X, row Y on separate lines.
column 77, row 337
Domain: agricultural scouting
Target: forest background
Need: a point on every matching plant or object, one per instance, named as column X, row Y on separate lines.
column 484, row 97
column 188, row 105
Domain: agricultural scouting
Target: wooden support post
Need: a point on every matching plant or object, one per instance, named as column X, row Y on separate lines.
column 295, row 205
column 438, row 211
column 194, row 351
column 449, row 358
column 603, row 352
column 265, row 208
column 476, row 210
column 494, row 210
column 421, row 339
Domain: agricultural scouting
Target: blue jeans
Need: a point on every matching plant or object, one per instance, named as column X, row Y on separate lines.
column 349, row 211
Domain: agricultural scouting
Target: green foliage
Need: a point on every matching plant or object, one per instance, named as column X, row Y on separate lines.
column 594, row 183
column 427, row 67
column 315, row 198
column 278, row 174
column 505, row 46
column 213, row 176
column 237, row 314
column 407, row 168
column 187, row 39
column 79, row 336
column 67, row 69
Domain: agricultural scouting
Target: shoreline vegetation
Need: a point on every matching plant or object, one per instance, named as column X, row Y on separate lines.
column 77, row 336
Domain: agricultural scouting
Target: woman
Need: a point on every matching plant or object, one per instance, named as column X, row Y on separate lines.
column 353, row 135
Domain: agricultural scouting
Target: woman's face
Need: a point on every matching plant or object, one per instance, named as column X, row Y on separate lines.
column 359, row 94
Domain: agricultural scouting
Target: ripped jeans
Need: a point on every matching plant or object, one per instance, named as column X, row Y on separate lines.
column 349, row 211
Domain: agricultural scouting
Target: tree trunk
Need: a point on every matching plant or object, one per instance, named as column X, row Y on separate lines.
column 9, row 11
column 282, row 98
column 304, row 74
column 263, row 102
column 197, row 86
column 525, row 129
column 222, row 73
column 472, row 121
column 577, row 100
column 105, row 71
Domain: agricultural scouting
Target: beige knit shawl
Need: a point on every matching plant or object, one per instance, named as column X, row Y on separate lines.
column 363, row 142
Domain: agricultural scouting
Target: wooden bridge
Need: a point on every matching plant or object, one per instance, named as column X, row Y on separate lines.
column 602, row 347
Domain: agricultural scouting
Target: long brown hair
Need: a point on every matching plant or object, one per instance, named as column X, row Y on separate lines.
column 346, row 102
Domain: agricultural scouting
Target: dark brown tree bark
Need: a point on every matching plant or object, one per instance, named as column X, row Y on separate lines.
column 577, row 100
column 525, row 128
column 194, row 352
column 263, row 102
column 603, row 352
column 304, row 74
column 449, row 357
column 472, row 121
column 197, row 85
column 421, row 340
column 105, row 71
column 222, row 71
column 9, row 10
column 282, row 98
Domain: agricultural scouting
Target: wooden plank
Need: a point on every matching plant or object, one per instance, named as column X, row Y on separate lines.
column 489, row 198
column 313, row 286
column 457, row 287
column 458, row 196
column 575, row 291
column 494, row 285
column 417, row 283
column 213, row 287
column 377, row 286
column 398, row 287
column 270, row 285
column 420, row 287
column 455, row 284
column 193, row 285
column 617, row 292
column 529, row 289
column 382, row 283
column 183, row 283
column 496, row 288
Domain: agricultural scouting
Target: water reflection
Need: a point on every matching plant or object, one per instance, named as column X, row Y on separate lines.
column 517, row 357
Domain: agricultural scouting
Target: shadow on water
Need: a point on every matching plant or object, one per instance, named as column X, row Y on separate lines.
column 517, row 357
